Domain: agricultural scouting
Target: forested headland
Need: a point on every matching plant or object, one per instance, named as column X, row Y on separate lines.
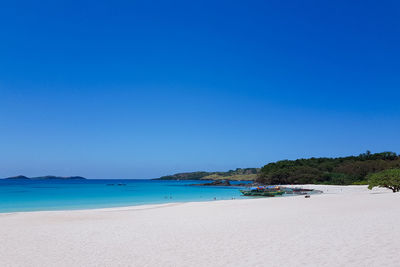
column 335, row 171
column 247, row 174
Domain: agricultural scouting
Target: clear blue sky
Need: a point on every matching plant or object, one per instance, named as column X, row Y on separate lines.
column 129, row 89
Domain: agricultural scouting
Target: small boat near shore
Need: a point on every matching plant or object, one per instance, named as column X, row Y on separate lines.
column 298, row 191
column 263, row 191
column 274, row 190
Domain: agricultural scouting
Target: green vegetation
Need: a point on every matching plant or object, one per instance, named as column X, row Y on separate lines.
column 338, row 171
column 233, row 177
column 387, row 178
column 185, row 176
column 248, row 174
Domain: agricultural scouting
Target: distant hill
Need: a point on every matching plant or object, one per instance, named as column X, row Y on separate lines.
column 48, row 177
column 335, row 171
column 247, row 174
column 21, row 177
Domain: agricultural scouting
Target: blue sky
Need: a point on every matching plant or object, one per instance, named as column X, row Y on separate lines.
column 127, row 89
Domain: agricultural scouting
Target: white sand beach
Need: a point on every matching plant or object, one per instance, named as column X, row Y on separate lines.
column 346, row 226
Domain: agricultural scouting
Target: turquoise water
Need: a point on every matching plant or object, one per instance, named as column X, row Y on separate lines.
column 31, row 195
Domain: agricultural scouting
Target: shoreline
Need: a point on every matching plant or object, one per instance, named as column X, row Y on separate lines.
column 347, row 227
column 326, row 189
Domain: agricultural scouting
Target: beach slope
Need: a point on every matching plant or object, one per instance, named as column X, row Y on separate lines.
column 346, row 226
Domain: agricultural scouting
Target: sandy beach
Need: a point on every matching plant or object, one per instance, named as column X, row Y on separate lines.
column 345, row 226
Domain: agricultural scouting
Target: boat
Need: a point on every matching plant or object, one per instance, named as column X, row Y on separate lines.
column 302, row 191
column 263, row 191
column 298, row 189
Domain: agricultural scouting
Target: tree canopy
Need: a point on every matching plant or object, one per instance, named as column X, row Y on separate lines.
column 388, row 178
column 339, row 171
column 336, row 171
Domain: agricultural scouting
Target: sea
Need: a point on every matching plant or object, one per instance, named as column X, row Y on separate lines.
column 46, row 195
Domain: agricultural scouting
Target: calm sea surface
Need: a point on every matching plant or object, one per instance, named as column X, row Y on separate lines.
column 31, row 195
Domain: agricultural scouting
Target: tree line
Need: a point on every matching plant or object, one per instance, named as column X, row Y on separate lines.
column 337, row 171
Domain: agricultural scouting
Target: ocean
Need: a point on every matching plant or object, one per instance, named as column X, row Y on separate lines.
column 39, row 195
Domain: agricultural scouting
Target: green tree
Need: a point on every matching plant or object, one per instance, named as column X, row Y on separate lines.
column 387, row 178
column 344, row 170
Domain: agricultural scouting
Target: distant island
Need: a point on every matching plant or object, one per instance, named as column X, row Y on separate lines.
column 48, row 177
column 351, row 170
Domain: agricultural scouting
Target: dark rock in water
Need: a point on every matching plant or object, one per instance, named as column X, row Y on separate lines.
column 18, row 177
column 215, row 183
